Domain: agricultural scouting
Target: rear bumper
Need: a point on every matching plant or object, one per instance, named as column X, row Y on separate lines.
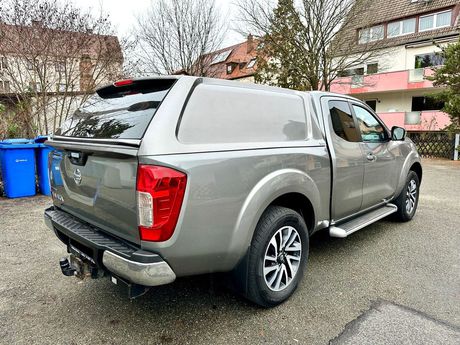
column 151, row 274
column 112, row 254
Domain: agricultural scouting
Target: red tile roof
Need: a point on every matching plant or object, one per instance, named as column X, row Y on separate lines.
column 384, row 11
column 240, row 55
column 34, row 39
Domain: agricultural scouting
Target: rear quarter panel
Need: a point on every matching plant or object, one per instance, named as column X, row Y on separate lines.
column 226, row 195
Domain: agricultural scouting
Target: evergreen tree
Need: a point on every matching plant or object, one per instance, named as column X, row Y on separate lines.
column 309, row 43
column 281, row 62
column 448, row 76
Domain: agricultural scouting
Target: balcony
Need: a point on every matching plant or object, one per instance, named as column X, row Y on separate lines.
column 416, row 75
column 382, row 82
column 417, row 120
column 357, row 81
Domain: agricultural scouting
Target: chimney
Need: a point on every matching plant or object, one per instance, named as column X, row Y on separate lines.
column 250, row 43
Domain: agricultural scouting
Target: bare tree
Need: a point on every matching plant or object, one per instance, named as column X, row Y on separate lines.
column 315, row 36
column 56, row 55
column 174, row 35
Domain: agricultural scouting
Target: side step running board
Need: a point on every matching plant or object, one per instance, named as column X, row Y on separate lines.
column 345, row 229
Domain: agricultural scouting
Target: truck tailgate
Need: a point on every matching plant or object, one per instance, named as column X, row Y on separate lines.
column 98, row 187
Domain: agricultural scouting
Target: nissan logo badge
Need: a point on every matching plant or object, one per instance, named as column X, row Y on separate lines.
column 77, row 176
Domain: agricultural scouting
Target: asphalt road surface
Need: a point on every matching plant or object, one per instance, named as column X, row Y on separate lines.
column 388, row 283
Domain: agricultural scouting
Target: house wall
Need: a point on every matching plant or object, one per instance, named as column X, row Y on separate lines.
column 56, row 110
column 55, row 94
column 393, row 107
column 249, row 79
column 79, row 74
column 397, row 58
column 388, row 102
column 397, row 79
column 403, row 58
column 411, row 52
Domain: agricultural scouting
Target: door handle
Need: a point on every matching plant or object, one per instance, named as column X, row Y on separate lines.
column 370, row 157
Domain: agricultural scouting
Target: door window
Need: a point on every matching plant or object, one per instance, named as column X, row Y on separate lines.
column 370, row 127
column 342, row 121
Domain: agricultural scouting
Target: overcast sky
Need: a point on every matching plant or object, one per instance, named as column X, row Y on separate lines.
column 123, row 14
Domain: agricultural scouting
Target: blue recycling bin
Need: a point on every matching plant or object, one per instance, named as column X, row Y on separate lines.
column 42, row 155
column 18, row 167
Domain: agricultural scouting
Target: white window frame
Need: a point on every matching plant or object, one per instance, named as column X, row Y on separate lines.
column 60, row 66
column 371, row 31
column 30, row 65
column 221, row 57
column 364, row 67
column 251, row 63
column 435, row 19
column 2, row 64
column 371, row 63
column 35, row 86
column 3, row 84
column 360, row 35
column 229, row 68
column 62, row 87
column 401, row 26
column 399, row 29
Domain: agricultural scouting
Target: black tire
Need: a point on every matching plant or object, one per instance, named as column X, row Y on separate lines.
column 403, row 215
column 280, row 221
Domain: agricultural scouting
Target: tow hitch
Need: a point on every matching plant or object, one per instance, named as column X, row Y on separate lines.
column 65, row 267
column 79, row 268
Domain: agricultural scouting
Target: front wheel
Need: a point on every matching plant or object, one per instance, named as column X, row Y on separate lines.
column 277, row 256
column 407, row 201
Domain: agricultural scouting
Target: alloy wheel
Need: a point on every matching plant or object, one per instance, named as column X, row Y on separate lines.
column 282, row 258
column 411, row 196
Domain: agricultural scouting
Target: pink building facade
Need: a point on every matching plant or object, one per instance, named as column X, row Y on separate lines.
column 394, row 82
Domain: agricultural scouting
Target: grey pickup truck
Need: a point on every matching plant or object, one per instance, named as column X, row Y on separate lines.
column 159, row 178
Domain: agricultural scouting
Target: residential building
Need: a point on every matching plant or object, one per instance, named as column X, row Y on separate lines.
column 53, row 71
column 409, row 34
column 237, row 62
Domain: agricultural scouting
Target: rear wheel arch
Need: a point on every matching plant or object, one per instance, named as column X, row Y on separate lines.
column 417, row 168
column 402, row 202
column 283, row 187
column 411, row 163
column 300, row 203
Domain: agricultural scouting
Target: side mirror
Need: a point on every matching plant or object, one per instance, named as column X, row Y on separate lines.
column 398, row 133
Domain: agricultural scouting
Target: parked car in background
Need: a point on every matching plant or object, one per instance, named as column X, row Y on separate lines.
column 159, row 178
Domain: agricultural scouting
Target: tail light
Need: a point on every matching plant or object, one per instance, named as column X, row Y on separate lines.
column 124, row 82
column 160, row 192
